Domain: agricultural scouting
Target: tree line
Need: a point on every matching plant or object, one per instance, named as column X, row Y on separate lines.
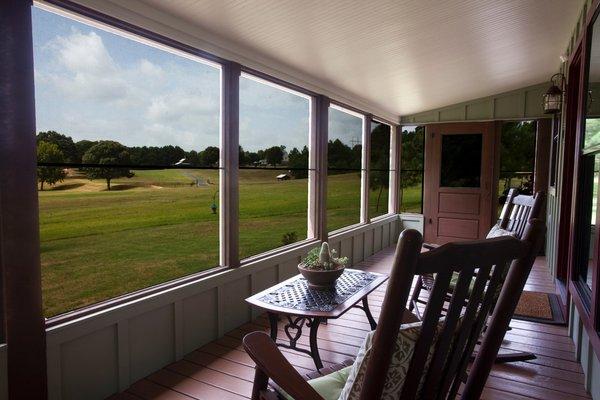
column 57, row 148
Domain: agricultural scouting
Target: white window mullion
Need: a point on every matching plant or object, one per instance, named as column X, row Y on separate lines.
column 317, row 189
column 395, row 154
column 229, row 165
column 366, row 157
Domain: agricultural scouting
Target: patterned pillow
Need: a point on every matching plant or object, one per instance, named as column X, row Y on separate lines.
column 401, row 357
column 496, row 231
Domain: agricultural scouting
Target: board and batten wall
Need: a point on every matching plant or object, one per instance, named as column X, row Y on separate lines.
column 585, row 353
column 524, row 103
column 105, row 353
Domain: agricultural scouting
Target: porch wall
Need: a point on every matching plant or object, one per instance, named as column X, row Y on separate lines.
column 104, row 353
column 523, row 103
column 584, row 352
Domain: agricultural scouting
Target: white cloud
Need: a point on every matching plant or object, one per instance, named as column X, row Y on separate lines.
column 85, row 92
column 93, row 85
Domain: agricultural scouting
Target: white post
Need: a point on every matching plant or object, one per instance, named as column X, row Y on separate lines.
column 229, row 165
column 366, row 157
column 395, row 153
column 317, row 186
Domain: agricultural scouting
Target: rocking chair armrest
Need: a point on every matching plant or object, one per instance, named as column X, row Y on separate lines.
column 268, row 358
column 430, row 246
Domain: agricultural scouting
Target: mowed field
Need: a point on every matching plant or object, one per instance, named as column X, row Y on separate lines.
column 158, row 226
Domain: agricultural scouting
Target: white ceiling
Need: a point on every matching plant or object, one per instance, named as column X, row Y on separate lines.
column 400, row 56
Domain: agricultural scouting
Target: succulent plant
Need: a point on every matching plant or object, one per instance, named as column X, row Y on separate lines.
column 322, row 258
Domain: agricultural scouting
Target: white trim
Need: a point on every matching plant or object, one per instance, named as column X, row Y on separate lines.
column 229, row 166
column 267, row 82
column 394, row 186
column 121, row 32
column 366, row 168
column 346, row 110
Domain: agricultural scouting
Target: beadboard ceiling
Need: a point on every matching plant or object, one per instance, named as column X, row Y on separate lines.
column 400, row 56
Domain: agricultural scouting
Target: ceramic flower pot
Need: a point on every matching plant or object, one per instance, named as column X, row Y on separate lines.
column 321, row 279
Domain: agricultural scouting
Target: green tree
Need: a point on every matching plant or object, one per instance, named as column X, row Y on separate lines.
column 342, row 156
column 209, row 156
column 412, row 157
column 274, row 155
column 64, row 143
column 49, row 153
column 379, row 176
column 517, row 152
column 109, row 153
column 82, row 146
column 298, row 162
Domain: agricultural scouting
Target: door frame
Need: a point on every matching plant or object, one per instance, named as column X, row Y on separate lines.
column 489, row 156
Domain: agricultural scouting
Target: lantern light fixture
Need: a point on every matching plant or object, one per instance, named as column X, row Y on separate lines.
column 553, row 97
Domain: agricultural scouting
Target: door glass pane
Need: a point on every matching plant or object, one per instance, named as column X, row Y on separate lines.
column 461, row 160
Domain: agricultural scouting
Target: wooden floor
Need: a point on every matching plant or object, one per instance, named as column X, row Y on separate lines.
column 222, row 370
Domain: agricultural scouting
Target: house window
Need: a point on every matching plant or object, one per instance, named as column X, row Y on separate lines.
column 585, row 262
column 411, row 171
column 379, row 169
column 344, row 159
column 273, row 176
column 128, row 153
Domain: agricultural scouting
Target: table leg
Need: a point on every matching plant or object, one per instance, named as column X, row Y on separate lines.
column 314, row 349
column 367, row 311
column 273, row 320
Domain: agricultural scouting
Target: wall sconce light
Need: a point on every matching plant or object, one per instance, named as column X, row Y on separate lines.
column 554, row 95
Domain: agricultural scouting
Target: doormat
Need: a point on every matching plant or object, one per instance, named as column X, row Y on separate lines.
column 540, row 307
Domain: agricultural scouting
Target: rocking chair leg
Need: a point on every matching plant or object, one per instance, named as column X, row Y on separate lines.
column 514, row 357
column 415, row 295
column 261, row 381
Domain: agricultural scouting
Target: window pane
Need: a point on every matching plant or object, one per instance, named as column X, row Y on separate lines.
column 379, row 177
column 274, row 132
column 344, row 152
column 592, row 110
column 411, row 174
column 461, row 160
column 103, row 99
column 517, row 159
column 588, row 192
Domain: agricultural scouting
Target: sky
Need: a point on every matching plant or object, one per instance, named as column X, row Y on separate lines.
column 95, row 85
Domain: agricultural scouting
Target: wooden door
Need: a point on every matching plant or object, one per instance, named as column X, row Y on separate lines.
column 459, row 170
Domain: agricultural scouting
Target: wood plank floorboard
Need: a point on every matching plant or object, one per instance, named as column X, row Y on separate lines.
column 222, row 370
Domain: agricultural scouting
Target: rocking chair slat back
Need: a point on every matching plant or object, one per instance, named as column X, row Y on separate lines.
column 518, row 209
column 441, row 352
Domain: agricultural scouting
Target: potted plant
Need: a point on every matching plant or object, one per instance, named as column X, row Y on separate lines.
column 321, row 267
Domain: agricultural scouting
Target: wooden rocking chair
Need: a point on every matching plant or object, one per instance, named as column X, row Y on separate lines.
column 516, row 212
column 435, row 364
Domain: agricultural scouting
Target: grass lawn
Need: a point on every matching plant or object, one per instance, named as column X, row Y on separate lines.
column 158, row 226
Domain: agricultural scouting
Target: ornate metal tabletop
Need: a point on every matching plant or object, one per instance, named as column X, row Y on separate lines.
column 300, row 305
column 298, row 295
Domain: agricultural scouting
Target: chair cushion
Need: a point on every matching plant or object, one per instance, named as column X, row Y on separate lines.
column 496, row 231
column 401, row 358
column 328, row 386
column 454, row 281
